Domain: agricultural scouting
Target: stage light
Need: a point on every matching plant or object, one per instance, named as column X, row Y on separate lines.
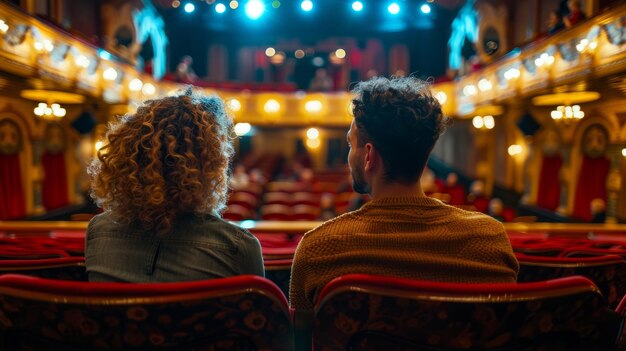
column 220, row 8
column 624, row 152
column 425, row 9
column 299, row 54
column 340, row 53
column 313, row 106
column 306, row 5
column 275, row 4
column 175, row 4
column 477, row 122
column 255, row 9
column 269, row 52
column 234, row 4
column 189, row 7
column 393, row 8
column 357, row 6
column 234, row 105
column 515, row 149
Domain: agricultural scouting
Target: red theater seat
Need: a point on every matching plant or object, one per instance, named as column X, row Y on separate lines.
column 65, row 268
column 361, row 312
column 607, row 272
column 238, row 313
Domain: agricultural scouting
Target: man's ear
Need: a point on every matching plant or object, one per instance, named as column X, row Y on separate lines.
column 371, row 157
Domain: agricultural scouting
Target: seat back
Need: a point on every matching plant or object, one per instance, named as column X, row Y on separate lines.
column 237, row 313
column 361, row 312
column 607, row 272
column 279, row 272
column 65, row 268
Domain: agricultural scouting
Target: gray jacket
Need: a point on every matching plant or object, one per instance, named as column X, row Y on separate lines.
column 197, row 249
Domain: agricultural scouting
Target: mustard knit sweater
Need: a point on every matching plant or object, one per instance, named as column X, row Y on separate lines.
column 412, row 237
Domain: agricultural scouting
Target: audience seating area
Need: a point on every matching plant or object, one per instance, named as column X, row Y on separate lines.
column 570, row 296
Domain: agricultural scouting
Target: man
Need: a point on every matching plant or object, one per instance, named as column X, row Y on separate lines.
column 400, row 232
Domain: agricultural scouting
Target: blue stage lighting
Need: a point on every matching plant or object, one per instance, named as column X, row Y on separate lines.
column 425, row 9
column 255, row 9
column 393, row 8
column 306, row 5
column 220, row 8
column 357, row 6
column 189, row 7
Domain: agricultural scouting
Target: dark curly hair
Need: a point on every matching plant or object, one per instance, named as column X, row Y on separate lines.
column 168, row 159
column 402, row 119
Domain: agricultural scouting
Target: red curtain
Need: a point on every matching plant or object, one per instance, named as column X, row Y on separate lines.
column 549, row 191
column 591, row 185
column 54, row 181
column 12, row 201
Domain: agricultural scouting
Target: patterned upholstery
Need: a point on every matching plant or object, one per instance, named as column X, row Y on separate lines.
column 607, row 272
column 238, row 313
column 361, row 312
column 66, row 268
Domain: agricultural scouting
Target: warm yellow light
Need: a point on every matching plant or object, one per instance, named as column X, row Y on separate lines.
column 82, row 61
column 624, row 152
column 313, row 106
column 312, row 133
column 47, row 44
column 477, row 122
column 313, row 143
column 271, row 106
column 3, row 26
column 299, row 54
column 484, row 84
column 242, row 129
column 511, row 73
column 148, row 89
column 234, row 4
column 269, row 52
column 469, row 90
column 38, row 46
column 99, row 144
column 489, row 122
column 233, row 104
column 515, row 149
column 340, row 53
column 135, row 84
column 109, row 74
column 441, row 97
column 175, row 4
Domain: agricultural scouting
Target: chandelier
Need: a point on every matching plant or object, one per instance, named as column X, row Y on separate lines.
column 567, row 113
column 49, row 112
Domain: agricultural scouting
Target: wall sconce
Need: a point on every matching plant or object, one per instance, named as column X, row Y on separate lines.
column 486, row 122
column 49, row 112
column 567, row 113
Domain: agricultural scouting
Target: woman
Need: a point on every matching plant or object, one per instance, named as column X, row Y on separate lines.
column 162, row 180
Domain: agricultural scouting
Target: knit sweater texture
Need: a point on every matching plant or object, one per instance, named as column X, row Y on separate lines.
column 413, row 237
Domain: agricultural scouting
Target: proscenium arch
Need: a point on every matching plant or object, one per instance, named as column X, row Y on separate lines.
column 148, row 23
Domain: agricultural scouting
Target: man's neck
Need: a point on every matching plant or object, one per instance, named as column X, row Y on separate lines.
column 383, row 189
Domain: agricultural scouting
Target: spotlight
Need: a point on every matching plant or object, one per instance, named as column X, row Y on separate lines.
column 299, row 54
column 393, row 8
column 255, row 9
column 175, row 4
column 340, row 53
column 306, row 5
column 275, row 4
column 233, row 4
column 269, row 52
column 220, row 8
column 189, row 7
column 425, row 9
column 357, row 6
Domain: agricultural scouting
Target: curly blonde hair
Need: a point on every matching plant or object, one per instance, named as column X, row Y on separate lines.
column 168, row 159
